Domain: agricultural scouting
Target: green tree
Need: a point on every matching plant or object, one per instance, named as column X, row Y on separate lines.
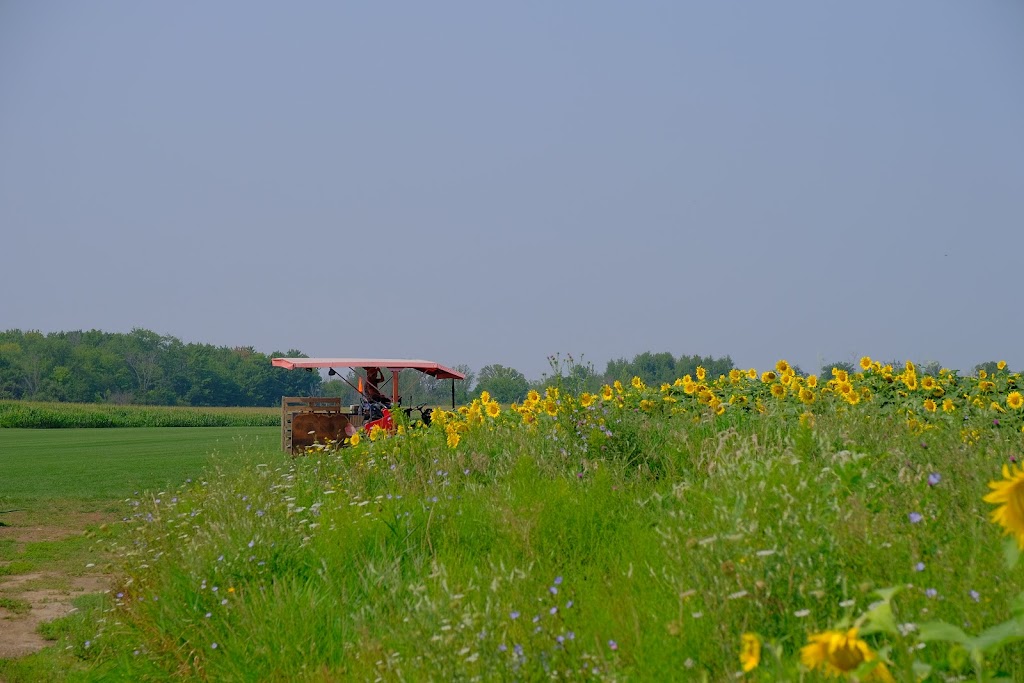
column 504, row 384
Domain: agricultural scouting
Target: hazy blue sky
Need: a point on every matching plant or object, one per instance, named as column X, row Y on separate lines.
column 482, row 182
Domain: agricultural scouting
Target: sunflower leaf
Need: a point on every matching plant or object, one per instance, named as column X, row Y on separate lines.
column 940, row 630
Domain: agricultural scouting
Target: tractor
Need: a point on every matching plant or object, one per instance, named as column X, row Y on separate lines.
column 309, row 420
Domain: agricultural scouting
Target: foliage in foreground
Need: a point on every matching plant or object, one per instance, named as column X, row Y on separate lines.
column 38, row 415
column 645, row 534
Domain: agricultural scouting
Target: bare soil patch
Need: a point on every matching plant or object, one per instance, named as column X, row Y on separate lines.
column 48, row 593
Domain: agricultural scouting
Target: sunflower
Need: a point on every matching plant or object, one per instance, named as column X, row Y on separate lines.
column 646, row 405
column 928, row 382
column 909, row 366
column 606, row 393
column 586, row 399
column 1015, row 400
column 734, row 375
column 750, row 651
column 618, row 386
column 1008, row 494
column 841, row 375
column 534, row 397
column 493, row 409
column 807, row 396
column 377, row 432
column 637, row 383
column 910, row 379
column 865, row 363
column 701, row 373
column 781, row 366
column 453, row 438
column 768, row 377
column 1001, row 365
column 778, row 391
column 930, row 406
column 948, row 406
column 551, row 407
column 852, row 397
column 485, row 397
column 838, row 653
column 752, row 373
column 354, row 439
column 985, row 386
column 812, row 381
column 982, row 374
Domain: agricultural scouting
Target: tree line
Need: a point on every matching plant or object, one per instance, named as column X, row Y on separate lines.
column 142, row 367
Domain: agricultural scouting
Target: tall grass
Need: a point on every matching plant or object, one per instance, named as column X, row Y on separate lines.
column 639, row 551
column 37, row 415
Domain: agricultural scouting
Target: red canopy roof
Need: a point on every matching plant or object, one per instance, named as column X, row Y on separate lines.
column 425, row 366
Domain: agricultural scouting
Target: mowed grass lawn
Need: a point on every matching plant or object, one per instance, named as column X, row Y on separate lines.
column 40, row 465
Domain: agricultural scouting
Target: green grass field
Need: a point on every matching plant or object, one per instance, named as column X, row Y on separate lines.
column 41, row 465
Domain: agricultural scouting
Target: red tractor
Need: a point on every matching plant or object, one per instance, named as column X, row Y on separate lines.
column 305, row 421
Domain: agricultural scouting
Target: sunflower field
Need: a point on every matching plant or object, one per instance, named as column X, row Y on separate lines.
column 756, row 526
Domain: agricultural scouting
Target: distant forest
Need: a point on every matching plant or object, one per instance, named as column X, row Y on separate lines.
column 144, row 367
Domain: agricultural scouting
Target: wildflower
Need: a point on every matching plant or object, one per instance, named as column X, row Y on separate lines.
column 839, row 652
column 1008, row 494
column 354, row 439
column 514, row 615
column 750, row 651
column 612, row 645
column 975, row 596
column 934, row 478
column 915, row 517
column 919, row 567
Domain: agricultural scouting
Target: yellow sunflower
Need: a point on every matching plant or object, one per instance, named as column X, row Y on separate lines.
column 781, row 367
column 750, row 651
column 606, row 393
column 534, row 397
column 550, row 407
column 701, row 373
column 778, row 391
column 865, row 363
column 928, row 382
column 1015, row 400
column 948, row 406
column 493, row 409
column 768, row 377
column 586, row 399
column 485, row 396
column 354, row 439
column 930, row 406
column 838, row 652
column 807, row 396
column 637, row 383
column 1008, row 494
column 752, row 373
column 1001, row 365
column 812, row 381
column 453, row 438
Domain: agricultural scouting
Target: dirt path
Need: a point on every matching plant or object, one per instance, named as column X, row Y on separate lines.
column 33, row 597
